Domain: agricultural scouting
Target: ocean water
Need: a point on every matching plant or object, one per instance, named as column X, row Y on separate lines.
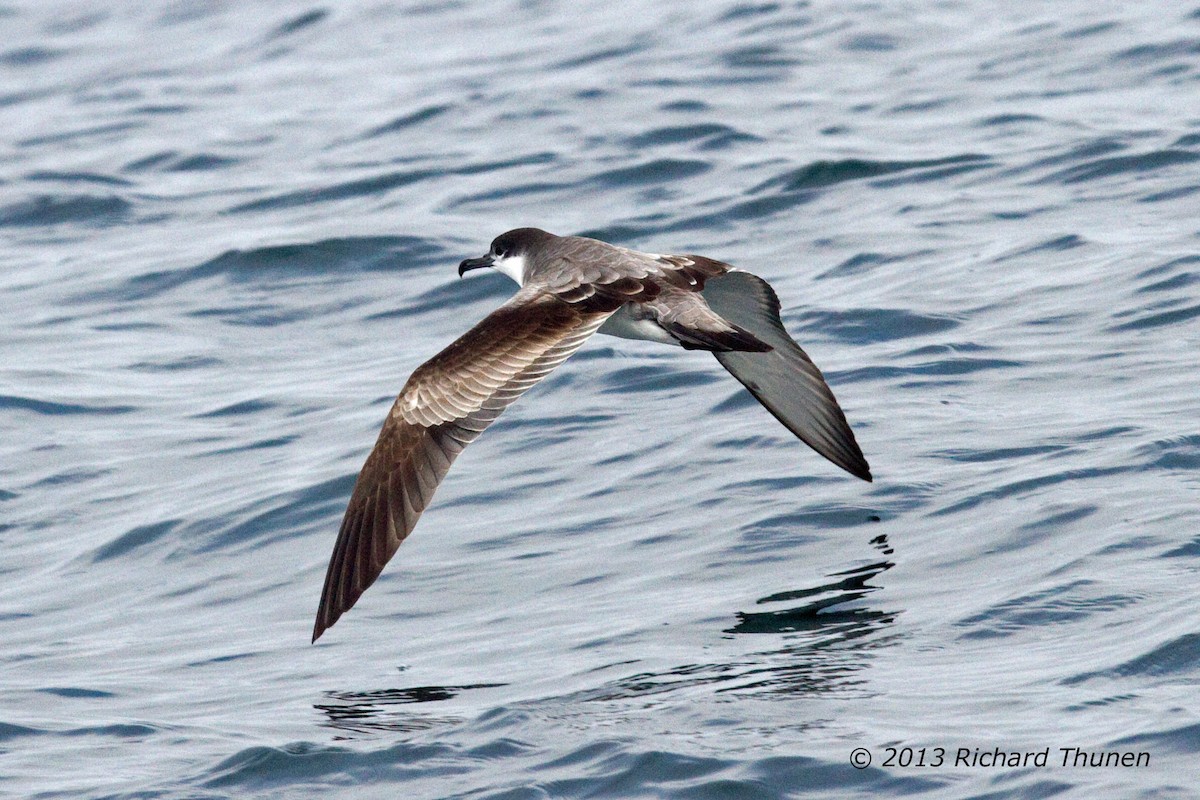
column 229, row 231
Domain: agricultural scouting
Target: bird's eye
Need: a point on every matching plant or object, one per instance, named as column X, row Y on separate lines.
column 499, row 252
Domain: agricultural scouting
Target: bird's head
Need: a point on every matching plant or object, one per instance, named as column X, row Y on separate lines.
column 509, row 253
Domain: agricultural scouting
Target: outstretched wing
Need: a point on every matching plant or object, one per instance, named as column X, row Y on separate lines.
column 784, row 380
column 445, row 405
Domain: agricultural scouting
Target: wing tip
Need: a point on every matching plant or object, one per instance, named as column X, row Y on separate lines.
column 321, row 624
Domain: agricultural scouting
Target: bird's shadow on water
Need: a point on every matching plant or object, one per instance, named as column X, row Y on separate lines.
column 356, row 714
column 823, row 609
column 819, row 645
column 823, row 642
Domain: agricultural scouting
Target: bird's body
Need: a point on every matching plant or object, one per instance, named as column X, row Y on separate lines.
column 571, row 287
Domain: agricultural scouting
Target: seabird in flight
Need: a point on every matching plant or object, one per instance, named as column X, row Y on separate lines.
column 571, row 287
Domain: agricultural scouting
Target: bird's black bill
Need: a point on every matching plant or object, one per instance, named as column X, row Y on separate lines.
column 475, row 263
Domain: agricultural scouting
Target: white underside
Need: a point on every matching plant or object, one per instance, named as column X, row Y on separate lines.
column 623, row 324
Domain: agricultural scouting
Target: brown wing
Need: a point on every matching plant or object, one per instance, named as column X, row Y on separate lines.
column 445, row 405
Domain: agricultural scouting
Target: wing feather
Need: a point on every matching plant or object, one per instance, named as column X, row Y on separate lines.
column 444, row 406
column 784, row 380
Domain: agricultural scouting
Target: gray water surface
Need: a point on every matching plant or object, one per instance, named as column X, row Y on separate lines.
column 228, row 233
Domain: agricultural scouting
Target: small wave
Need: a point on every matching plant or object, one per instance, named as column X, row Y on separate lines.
column 64, row 209
column 654, row 378
column 665, row 170
column 102, row 132
column 984, row 455
column 1160, row 319
column 1028, row 485
column 328, row 256
column 870, row 43
column 1184, row 739
column 705, row 135
column 75, row 692
column 380, row 184
column 134, row 539
column 602, row 54
column 8, row 731
column 864, row 262
column 1159, row 51
column 237, row 409
column 256, row 444
column 758, row 57
column 452, row 294
column 71, row 476
column 272, row 518
column 1054, row 244
column 1113, row 166
column 1180, row 656
column 1178, row 279
column 1169, row 194
column 263, row 767
column 296, row 24
column 870, row 325
column 51, row 408
column 1177, row 453
column 820, row 174
column 1090, row 30
column 508, row 192
column 172, row 161
column 201, row 162
column 408, row 120
column 120, row 731
column 376, row 184
column 1065, row 603
column 999, row 120
column 76, row 177
column 29, row 56
column 941, row 372
column 1169, row 282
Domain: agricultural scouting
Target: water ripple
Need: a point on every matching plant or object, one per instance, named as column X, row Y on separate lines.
column 326, row 257
column 230, row 232
column 1116, row 165
column 658, row 171
column 820, row 174
column 704, row 135
column 63, row 209
column 50, row 408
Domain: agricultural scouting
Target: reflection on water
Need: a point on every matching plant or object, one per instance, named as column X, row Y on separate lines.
column 824, row 641
column 818, row 614
column 824, row 644
column 357, row 713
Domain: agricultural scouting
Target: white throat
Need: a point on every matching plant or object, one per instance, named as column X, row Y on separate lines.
column 513, row 267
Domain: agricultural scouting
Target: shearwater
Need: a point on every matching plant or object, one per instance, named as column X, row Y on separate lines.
column 571, row 287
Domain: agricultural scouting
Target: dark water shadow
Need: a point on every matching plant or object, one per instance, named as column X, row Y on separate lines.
column 825, row 641
column 822, row 610
column 355, row 714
